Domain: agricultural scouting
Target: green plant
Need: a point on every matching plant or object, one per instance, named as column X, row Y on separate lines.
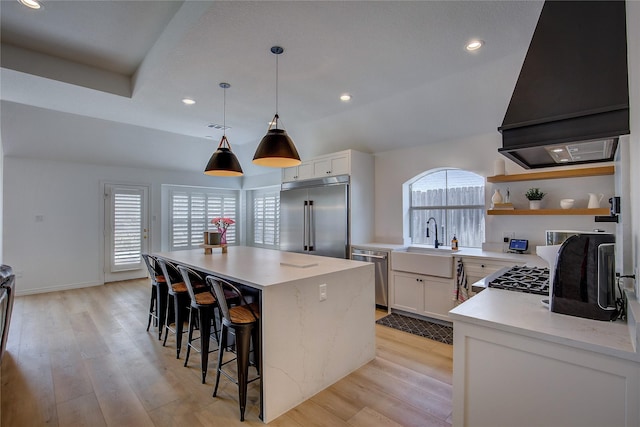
column 534, row 194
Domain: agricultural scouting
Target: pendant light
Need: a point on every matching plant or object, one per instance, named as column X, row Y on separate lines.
column 223, row 162
column 276, row 149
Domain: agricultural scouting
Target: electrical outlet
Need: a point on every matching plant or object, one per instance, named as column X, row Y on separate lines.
column 506, row 237
column 323, row 292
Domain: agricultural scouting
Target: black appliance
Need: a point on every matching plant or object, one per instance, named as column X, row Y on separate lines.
column 584, row 281
column 571, row 101
column 7, row 294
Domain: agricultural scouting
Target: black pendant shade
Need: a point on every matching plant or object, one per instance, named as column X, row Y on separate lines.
column 223, row 162
column 276, row 149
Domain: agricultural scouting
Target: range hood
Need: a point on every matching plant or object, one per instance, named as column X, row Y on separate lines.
column 571, row 100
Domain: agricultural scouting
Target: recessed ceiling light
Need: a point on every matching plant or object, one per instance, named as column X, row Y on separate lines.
column 188, row 101
column 32, row 4
column 474, row 45
column 558, row 150
column 345, row 97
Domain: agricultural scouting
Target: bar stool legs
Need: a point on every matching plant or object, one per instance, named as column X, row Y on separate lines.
column 243, row 347
column 205, row 317
column 178, row 305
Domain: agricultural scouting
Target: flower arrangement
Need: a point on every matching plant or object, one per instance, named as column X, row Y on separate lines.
column 222, row 224
column 534, row 194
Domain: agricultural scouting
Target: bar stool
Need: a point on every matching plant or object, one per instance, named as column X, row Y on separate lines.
column 178, row 303
column 243, row 320
column 203, row 311
column 158, row 302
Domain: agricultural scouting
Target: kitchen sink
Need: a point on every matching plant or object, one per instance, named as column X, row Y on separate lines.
column 443, row 250
column 424, row 260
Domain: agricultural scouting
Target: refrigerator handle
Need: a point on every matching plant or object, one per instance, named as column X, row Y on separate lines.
column 312, row 227
column 305, row 225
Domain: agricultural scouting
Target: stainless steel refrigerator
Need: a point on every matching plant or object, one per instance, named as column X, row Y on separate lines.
column 314, row 216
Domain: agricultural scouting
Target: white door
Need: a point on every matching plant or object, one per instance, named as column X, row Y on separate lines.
column 126, row 231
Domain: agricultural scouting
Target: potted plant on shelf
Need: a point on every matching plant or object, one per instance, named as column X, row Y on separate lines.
column 535, row 197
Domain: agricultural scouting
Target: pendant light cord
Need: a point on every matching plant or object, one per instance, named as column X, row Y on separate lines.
column 224, row 112
column 276, row 88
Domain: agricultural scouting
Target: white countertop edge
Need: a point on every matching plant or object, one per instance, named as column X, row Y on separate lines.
column 525, row 315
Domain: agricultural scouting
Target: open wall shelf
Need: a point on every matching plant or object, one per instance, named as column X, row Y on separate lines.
column 595, row 212
column 569, row 173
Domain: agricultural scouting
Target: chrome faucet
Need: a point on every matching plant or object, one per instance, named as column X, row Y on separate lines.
column 436, row 243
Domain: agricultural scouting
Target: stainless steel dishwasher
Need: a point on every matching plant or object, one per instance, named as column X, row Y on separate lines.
column 380, row 259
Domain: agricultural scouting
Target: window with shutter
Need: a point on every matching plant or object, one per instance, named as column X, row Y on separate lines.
column 266, row 218
column 191, row 211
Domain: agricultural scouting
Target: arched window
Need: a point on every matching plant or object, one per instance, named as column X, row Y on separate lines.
column 455, row 199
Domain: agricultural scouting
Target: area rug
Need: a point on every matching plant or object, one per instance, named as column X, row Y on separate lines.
column 423, row 328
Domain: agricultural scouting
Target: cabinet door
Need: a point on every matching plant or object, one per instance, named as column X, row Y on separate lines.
column 438, row 297
column 290, row 174
column 322, row 168
column 305, row 170
column 340, row 165
column 408, row 292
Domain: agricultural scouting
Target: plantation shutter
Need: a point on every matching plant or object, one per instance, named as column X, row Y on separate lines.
column 191, row 214
column 127, row 229
column 266, row 219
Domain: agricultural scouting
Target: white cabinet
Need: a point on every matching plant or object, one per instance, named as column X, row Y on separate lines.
column 330, row 165
column 506, row 379
column 425, row 295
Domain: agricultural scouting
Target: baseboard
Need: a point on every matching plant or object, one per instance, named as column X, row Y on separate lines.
column 21, row 292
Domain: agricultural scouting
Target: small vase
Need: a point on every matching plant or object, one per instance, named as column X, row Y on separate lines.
column 497, row 197
column 223, row 236
column 535, row 204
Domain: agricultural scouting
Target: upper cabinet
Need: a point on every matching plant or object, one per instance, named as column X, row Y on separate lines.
column 330, row 165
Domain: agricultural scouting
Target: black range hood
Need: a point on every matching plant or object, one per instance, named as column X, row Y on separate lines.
column 571, row 100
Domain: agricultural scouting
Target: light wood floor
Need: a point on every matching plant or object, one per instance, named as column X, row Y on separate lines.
column 83, row 358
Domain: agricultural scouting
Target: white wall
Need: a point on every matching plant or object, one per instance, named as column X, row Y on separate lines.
column 65, row 249
column 477, row 154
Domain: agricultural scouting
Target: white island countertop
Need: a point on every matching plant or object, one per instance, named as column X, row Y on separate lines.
column 259, row 267
column 524, row 314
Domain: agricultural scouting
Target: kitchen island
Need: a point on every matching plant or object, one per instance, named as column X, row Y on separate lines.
column 308, row 343
column 517, row 363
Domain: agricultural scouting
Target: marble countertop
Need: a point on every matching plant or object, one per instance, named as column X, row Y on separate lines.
column 260, row 267
column 524, row 314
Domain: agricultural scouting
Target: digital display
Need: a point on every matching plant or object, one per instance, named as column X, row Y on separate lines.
column 519, row 245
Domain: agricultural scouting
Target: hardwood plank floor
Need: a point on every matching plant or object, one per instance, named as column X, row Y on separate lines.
column 83, row 358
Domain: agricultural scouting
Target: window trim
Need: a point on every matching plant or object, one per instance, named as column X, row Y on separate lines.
column 408, row 227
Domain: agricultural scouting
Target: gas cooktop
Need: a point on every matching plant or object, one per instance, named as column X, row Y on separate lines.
column 533, row 280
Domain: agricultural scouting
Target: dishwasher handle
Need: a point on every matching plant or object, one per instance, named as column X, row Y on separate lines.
column 369, row 256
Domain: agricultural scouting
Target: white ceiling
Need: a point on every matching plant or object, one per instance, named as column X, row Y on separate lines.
column 101, row 81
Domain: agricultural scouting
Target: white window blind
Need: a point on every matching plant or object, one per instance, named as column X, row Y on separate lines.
column 191, row 212
column 127, row 228
column 266, row 218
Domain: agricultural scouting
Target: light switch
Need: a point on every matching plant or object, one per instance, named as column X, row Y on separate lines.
column 323, row 292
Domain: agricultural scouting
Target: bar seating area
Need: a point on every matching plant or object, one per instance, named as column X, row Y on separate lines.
column 216, row 309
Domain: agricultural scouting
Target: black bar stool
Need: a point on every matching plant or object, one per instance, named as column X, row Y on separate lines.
column 178, row 303
column 203, row 311
column 243, row 320
column 158, row 302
